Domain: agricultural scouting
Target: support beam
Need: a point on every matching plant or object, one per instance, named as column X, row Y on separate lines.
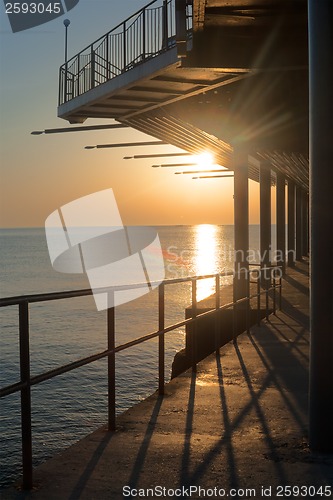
column 299, row 224
column 321, row 223
column 81, row 128
column 265, row 221
column 241, row 221
column 127, row 145
column 281, row 221
column 291, row 224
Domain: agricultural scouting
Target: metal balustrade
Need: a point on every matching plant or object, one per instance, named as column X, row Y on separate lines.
column 146, row 34
column 27, row 381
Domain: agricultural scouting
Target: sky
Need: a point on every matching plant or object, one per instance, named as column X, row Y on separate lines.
column 41, row 173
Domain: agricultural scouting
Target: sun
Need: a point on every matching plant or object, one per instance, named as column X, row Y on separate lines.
column 205, row 160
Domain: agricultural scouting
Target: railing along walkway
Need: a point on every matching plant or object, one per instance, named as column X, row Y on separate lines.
column 27, row 381
column 149, row 32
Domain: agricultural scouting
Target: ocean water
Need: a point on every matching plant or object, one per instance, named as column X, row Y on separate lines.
column 72, row 405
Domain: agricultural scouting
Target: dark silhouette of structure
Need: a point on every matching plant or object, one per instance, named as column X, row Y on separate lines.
column 232, row 78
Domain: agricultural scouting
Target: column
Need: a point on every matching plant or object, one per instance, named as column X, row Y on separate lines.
column 291, row 223
column 281, row 220
column 299, row 223
column 321, row 224
column 181, row 35
column 241, row 221
column 305, row 224
column 265, row 221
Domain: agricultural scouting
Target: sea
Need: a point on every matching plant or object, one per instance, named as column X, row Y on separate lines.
column 72, row 405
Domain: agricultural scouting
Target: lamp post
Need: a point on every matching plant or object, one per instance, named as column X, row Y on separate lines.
column 66, row 24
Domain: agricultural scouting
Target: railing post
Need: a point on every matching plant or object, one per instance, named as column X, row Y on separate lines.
column 274, row 291
column 181, row 38
column 266, row 295
column 165, row 25
column 107, row 56
column 280, row 294
column 217, row 320
column 248, row 304
column 124, row 46
column 258, row 299
column 66, row 83
column 194, row 327
column 78, row 76
column 60, row 90
column 72, row 86
column 234, row 322
column 161, row 340
column 144, row 34
column 92, row 67
column 111, row 364
column 25, row 395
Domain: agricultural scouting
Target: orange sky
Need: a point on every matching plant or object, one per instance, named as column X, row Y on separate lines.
column 41, row 173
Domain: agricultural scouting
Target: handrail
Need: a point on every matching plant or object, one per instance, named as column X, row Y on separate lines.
column 27, row 381
column 142, row 36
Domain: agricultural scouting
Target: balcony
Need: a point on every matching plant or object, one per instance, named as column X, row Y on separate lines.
column 150, row 41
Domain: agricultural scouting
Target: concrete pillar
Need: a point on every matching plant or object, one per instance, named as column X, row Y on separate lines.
column 291, row 223
column 299, row 223
column 305, row 224
column 281, row 220
column 265, row 220
column 321, row 224
column 181, row 35
column 241, row 221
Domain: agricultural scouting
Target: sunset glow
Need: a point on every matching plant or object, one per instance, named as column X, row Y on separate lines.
column 206, row 257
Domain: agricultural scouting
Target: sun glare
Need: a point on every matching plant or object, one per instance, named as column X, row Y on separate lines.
column 205, row 160
column 206, row 257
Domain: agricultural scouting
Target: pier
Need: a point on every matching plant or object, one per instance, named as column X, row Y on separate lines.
column 256, row 415
column 239, row 423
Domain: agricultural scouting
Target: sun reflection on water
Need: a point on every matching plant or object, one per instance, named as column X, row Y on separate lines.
column 206, row 258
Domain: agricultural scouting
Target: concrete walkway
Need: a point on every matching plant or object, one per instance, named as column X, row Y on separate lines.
column 238, row 425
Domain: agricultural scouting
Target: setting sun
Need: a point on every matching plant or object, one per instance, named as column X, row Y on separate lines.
column 205, row 160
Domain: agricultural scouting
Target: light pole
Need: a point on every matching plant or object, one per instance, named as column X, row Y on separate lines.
column 66, row 24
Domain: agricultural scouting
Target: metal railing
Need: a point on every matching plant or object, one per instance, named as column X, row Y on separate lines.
column 27, row 381
column 144, row 35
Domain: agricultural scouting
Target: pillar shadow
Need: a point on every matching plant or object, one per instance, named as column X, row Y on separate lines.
column 296, row 284
column 300, row 270
column 295, row 313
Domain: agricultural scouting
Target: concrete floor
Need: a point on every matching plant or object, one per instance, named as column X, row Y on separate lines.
column 238, row 425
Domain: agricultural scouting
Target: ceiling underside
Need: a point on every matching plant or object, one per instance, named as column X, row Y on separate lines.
column 173, row 130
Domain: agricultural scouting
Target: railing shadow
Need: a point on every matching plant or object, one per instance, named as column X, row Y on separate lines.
column 90, row 467
column 142, row 453
column 233, row 476
column 278, row 377
column 294, row 313
column 185, row 461
column 297, row 410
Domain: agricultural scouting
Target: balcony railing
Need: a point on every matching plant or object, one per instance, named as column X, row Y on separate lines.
column 146, row 34
column 264, row 286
